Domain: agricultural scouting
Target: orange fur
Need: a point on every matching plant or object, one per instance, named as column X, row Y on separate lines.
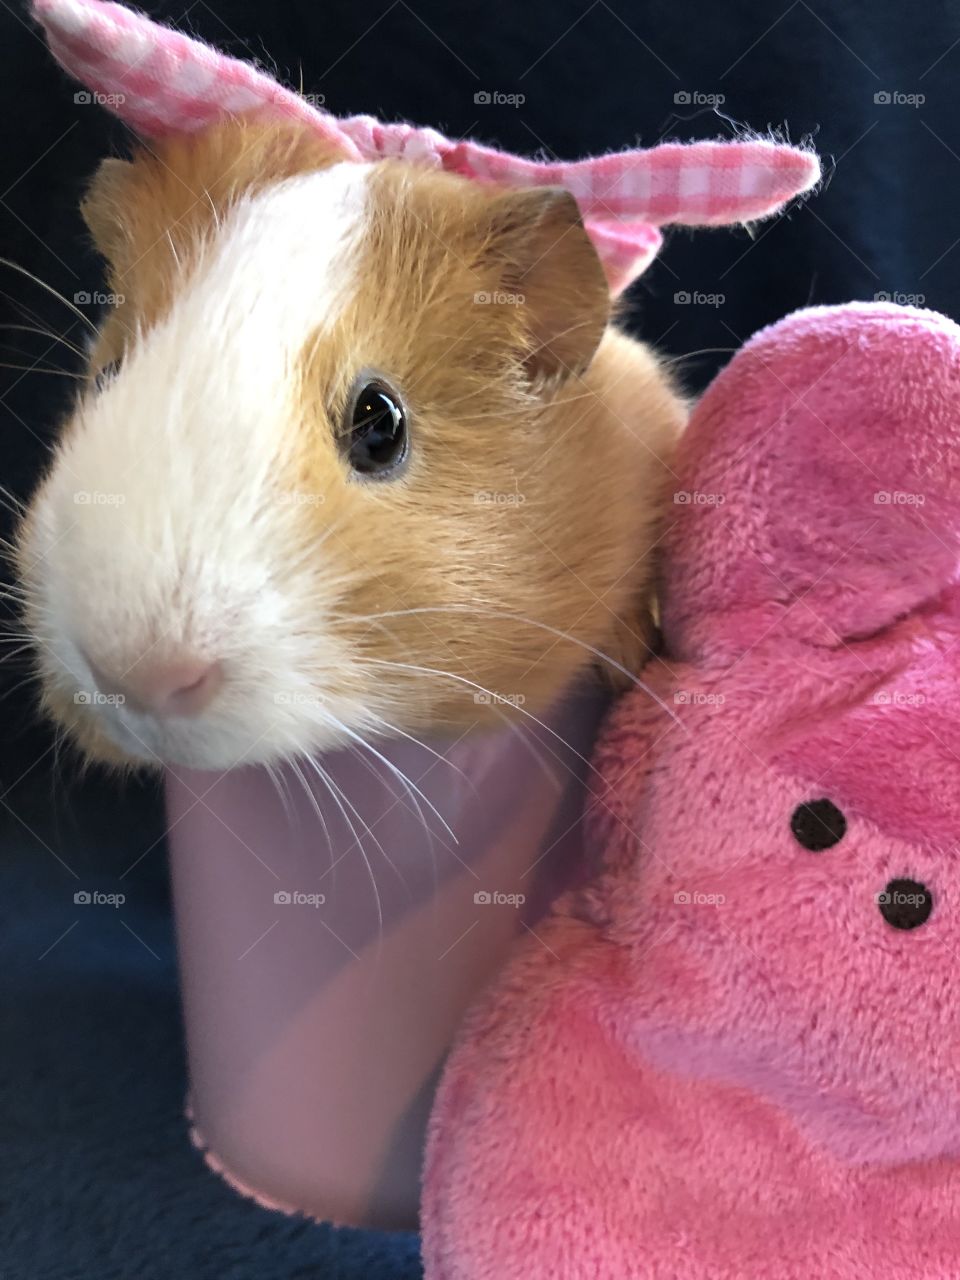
column 540, row 435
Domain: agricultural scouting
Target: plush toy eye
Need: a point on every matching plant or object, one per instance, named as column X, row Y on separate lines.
column 818, row 825
column 377, row 430
column 905, row 904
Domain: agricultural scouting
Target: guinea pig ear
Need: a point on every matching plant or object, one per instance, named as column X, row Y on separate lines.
column 548, row 267
column 817, row 490
column 103, row 204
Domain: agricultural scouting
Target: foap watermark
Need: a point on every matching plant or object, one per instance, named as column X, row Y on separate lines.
column 90, row 97
column 901, row 299
column 698, row 698
column 900, row 898
column 898, row 498
column 315, row 99
column 496, row 98
column 697, row 498
column 84, row 298
column 298, row 698
column 896, row 98
column 95, row 498
column 498, row 498
column 95, row 898
column 898, row 698
column 94, row 698
column 297, row 898
column 299, row 498
column 697, row 98
column 498, row 298
column 499, row 699
column 494, row 898
column 693, row 898
column 684, row 298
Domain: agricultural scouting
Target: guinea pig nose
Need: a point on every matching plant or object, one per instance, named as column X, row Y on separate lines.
column 178, row 685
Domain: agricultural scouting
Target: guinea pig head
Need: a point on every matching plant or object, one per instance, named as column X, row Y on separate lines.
column 327, row 475
column 785, row 853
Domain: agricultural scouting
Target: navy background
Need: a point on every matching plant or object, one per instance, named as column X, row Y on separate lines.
column 97, row 1179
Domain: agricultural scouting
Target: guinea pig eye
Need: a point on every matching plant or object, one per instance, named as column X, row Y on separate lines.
column 818, row 825
column 376, row 430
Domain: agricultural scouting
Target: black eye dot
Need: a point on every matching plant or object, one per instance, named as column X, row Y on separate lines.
column 377, row 430
column 818, row 825
column 905, row 904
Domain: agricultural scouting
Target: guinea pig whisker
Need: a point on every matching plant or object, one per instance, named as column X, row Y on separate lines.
column 704, row 351
column 336, row 792
column 45, row 333
column 369, row 831
column 402, row 733
column 529, row 745
column 312, row 797
column 472, row 684
column 544, row 626
column 28, row 679
column 398, row 773
column 281, row 795
column 357, row 754
column 26, row 646
column 38, row 368
column 15, row 266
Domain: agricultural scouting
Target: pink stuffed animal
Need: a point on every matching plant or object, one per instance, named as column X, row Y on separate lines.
column 735, row 1053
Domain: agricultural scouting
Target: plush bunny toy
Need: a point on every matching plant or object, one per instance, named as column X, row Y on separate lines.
column 736, row 1051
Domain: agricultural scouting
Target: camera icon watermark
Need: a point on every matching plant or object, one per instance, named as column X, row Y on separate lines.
column 498, row 298
column 493, row 898
column 901, row 299
column 489, row 699
column 90, row 97
column 497, row 498
column 686, row 298
column 94, row 898
column 296, row 898
column 696, row 98
column 494, row 98
column 84, row 298
column 895, row 98
column 897, row 498
column 94, row 698
column 696, row 498
column 94, row 498
column 298, row 698
column 698, row 698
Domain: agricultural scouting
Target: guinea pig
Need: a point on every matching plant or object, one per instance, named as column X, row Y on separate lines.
column 359, row 452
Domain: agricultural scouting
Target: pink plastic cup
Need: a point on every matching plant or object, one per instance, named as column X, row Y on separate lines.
column 318, row 1007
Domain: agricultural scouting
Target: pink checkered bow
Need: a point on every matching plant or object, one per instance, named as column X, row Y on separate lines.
column 161, row 82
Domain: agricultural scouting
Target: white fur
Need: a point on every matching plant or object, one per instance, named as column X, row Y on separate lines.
column 183, row 539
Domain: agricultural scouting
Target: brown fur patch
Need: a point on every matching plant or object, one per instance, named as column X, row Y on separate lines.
column 530, row 502
column 520, row 536
column 153, row 217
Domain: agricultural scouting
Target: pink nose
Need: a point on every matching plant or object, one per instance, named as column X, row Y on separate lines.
column 181, row 685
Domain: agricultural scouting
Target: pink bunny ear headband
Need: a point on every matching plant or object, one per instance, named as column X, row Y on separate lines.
column 161, row 82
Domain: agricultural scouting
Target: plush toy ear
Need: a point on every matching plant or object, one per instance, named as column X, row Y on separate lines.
column 549, row 269
column 818, row 487
column 164, row 84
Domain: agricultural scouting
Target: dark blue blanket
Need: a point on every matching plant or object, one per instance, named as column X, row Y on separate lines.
column 97, row 1178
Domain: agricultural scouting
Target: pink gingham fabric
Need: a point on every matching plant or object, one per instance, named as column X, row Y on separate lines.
column 162, row 82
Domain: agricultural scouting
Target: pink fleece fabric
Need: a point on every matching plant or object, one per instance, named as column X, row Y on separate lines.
column 719, row 1058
